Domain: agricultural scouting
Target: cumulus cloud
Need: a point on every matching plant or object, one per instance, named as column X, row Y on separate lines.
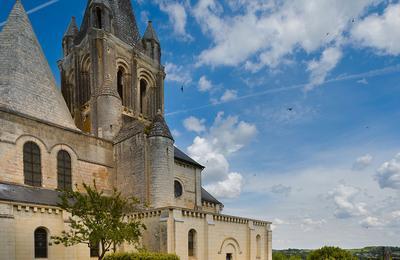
column 175, row 133
column 380, row 31
column 177, row 73
column 344, row 198
column 281, row 189
column 308, row 224
column 320, row 68
column 194, row 124
column 229, row 95
column 231, row 187
column 226, row 136
column 177, row 18
column 388, row 175
column 370, row 222
column 204, row 84
column 362, row 162
column 268, row 34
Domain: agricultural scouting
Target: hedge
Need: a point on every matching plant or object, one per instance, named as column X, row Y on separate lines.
column 141, row 256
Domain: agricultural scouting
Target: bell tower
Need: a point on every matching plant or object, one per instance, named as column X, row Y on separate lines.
column 110, row 74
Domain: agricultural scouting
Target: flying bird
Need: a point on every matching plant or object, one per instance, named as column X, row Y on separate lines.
column 182, row 88
column 290, row 109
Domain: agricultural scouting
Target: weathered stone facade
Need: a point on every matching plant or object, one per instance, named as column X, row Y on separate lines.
column 112, row 129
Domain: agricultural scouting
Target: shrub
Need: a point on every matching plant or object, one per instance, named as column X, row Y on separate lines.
column 141, row 256
column 331, row 253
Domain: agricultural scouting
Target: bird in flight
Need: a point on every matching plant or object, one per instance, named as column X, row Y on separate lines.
column 290, row 109
column 182, row 88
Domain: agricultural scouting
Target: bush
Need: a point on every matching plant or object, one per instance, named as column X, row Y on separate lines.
column 331, row 253
column 141, row 256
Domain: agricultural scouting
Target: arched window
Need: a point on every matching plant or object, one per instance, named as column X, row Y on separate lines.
column 99, row 19
column 143, row 93
column 32, row 165
column 258, row 244
column 64, row 176
column 40, row 238
column 192, row 242
column 178, row 189
column 120, row 84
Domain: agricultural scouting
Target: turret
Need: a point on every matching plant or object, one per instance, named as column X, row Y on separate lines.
column 161, row 159
column 151, row 44
column 69, row 36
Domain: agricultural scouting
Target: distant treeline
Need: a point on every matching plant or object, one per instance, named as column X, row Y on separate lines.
column 366, row 253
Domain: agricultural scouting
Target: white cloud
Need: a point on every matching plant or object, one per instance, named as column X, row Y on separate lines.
column 369, row 222
column 177, row 73
column 388, row 175
column 231, row 187
column 177, row 18
column 380, row 32
column 362, row 162
column 281, row 189
column 344, row 199
column 194, row 124
column 204, row 84
column 363, row 81
column 309, row 224
column 226, row 136
column 175, row 133
column 229, row 95
column 269, row 34
column 320, row 68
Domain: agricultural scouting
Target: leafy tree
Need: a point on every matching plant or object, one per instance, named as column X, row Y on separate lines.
column 282, row 256
column 331, row 253
column 97, row 219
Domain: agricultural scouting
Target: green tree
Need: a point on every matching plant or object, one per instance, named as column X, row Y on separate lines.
column 97, row 219
column 282, row 256
column 331, row 253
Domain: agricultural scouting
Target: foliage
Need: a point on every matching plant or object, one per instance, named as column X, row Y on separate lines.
column 141, row 256
column 331, row 253
column 97, row 219
column 282, row 256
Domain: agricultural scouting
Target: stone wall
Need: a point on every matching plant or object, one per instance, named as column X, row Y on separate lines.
column 91, row 158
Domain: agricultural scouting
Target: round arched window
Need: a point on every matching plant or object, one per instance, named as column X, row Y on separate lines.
column 178, row 189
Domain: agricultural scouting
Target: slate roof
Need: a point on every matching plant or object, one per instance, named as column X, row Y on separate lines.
column 40, row 196
column 160, row 128
column 30, row 195
column 206, row 196
column 150, row 33
column 125, row 26
column 27, row 85
column 185, row 158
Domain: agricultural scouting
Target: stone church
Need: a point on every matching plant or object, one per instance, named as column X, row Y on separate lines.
column 106, row 124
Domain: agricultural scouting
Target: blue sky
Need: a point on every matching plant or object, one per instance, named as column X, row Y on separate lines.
column 293, row 106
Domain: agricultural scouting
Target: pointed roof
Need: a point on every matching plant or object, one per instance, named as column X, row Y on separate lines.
column 150, row 33
column 125, row 27
column 27, row 85
column 159, row 127
column 72, row 28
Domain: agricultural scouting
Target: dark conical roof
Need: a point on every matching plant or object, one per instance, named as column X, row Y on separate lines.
column 160, row 128
column 125, row 27
column 27, row 85
column 150, row 33
column 72, row 28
